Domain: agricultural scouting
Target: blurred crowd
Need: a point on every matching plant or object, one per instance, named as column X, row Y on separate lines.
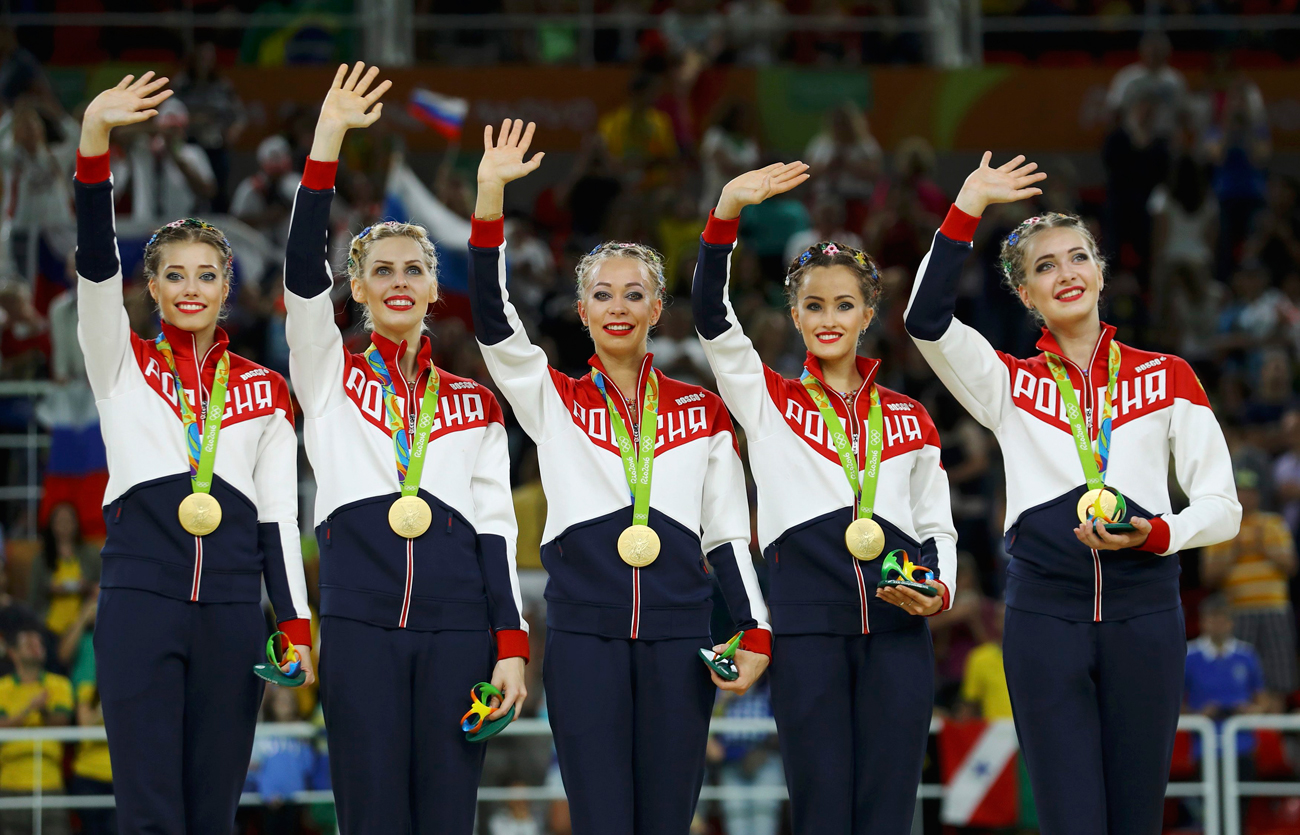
column 1201, row 233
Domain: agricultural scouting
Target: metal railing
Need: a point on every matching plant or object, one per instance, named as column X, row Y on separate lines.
column 1234, row 789
column 1207, row 788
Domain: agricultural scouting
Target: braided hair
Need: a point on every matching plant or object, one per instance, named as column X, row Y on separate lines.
column 646, row 256
column 185, row 231
column 1012, row 256
column 832, row 254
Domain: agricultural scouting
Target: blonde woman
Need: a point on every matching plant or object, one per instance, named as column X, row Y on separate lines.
column 419, row 596
column 1094, row 642
column 645, row 498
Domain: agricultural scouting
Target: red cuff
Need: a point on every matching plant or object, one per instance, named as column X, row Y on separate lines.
column 959, row 226
column 92, row 169
column 1158, row 540
column 319, row 176
column 720, row 232
column 298, row 630
column 757, row 640
column 512, row 643
column 487, row 234
column 947, row 599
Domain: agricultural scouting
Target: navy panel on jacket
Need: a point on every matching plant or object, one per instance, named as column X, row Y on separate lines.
column 591, row 590
column 813, row 579
column 932, row 311
column 1055, row 574
column 363, row 560
column 147, row 549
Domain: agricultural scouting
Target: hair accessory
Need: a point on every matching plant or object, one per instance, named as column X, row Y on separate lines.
column 830, row 249
column 193, row 223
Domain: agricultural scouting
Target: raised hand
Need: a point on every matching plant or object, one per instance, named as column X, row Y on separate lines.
column 503, row 162
column 1007, row 183
column 753, row 187
column 347, row 105
column 132, row 100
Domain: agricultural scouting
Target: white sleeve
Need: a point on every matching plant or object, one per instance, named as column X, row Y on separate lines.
column 275, row 477
column 1204, row 471
column 726, row 533
column 932, row 516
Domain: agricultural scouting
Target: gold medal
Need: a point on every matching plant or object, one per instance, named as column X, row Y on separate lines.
column 865, row 538
column 200, row 514
column 638, row 545
column 410, row 516
column 1111, row 508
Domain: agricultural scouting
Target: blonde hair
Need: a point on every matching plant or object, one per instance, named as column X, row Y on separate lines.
column 646, row 256
column 1012, row 256
column 359, row 251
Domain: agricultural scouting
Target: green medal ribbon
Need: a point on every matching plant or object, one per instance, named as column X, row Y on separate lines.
column 202, row 449
column 409, row 456
column 863, row 485
column 638, row 459
column 1093, row 459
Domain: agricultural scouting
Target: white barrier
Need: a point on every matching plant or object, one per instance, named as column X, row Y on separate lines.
column 1233, row 788
column 1207, row 788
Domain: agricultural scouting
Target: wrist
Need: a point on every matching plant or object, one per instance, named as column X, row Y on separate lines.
column 326, row 144
column 727, row 209
column 970, row 204
column 94, row 140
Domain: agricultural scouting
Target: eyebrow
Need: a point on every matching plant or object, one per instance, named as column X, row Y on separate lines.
column 611, row 286
column 848, row 296
column 182, row 266
column 390, row 263
column 1053, row 254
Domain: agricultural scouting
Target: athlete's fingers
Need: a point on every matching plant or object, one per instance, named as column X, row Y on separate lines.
column 373, row 95
column 142, row 80
column 354, row 76
column 339, row 76
column 503, row 137
column 984, row 161
column 125, row 82
column 366, row 81
column 1012, row 164
column 535, row 161
column 157, row 83
column 373, row 115
column 527, row 139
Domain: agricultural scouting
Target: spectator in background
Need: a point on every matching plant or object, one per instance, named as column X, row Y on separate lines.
column 65, row 572
column 216, row 114
column 31, row 698
column 170, row 176
column 1253, row 570
column 38, row 142
column 828, row 224
column 1136, row 155
column 1151, row 81
column 638, row 136
column 748, row 759
column 729, row 148
column 1286, row 473
column 20, row 72
column 264, row 199
column 984, row 692
column 844, row 162
column 1223, row 676
column 1276, row 239
column 282, row 765
column 92, row 773
column 1185, row 218
column 755, row 29
column 515, row 817
column 24, row 334
column 1236, row 142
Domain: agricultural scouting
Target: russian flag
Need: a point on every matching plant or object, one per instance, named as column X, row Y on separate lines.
column 444, row 114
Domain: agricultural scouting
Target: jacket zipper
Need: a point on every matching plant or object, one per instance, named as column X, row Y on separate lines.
column 621, row 403
column 1088, row 408
column 201, row 411
column 854, row 436
column 410, row 543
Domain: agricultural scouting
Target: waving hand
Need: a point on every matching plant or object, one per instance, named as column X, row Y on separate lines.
column 1007, row 183
column 753, row 187
column 350, row 103
column 132, row 100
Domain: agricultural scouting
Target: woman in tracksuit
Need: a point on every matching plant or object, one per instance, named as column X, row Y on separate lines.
column 1094, row 642
column 419, row 595
column 853, row 670
column 201, row 506
column 635, row 524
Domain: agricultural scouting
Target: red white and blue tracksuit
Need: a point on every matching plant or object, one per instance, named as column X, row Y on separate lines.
column 852, row 676
column 180, row 624
column 407, row 626
column 1094, row 642
column 628, row 698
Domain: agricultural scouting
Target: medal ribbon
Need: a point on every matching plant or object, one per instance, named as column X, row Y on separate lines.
column 410, row 459
column 863, row 485
column 638, row 459
column 1093, row 458
column 202, row 448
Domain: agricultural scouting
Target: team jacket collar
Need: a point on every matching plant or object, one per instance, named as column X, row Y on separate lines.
column 1100, row 353
column 867, row 367
column 393, row 351
column 647, row 368
column 182, row 343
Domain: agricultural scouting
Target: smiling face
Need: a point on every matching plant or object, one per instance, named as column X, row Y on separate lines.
column 1063, row 278
column 190, row 285
column 396, row 286
column 830, row 312
column 619, row 305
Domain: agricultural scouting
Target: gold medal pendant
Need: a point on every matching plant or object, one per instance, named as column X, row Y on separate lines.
column 865, row 539
column 638, row 545
column 200, row 514
column 410, row 516
column 1112, row 505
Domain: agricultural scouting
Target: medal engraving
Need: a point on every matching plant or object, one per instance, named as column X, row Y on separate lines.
column 410, row 516
column 865, row 539
column 638, row 545
column 200, row 514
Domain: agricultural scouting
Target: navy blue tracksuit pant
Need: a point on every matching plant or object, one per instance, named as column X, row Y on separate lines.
column 631, row 722
column 393, row 699
column 1096, row 707
column 180, row 706
column 853, row 713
